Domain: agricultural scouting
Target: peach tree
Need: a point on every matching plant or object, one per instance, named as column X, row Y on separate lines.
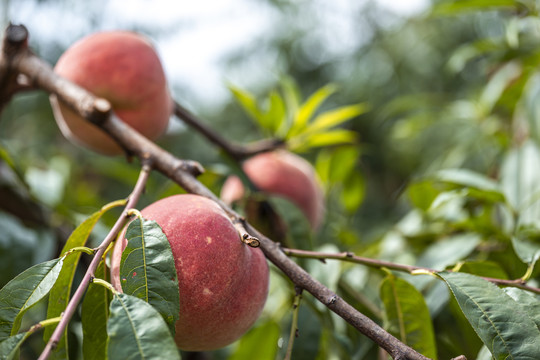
column 189, row 272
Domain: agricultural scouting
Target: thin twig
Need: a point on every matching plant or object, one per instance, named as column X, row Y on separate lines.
column 294, row 324
column 239, row 224
column 235, row 151
column 89, row 275
column 350, row 257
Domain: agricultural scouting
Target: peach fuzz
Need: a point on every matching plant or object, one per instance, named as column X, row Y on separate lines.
column 223, row 282
column 124, row 68
column 284, row 174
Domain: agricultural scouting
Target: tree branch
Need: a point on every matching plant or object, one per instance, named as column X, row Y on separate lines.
column 98, row 112
column 15, row 38
column 350, row 257
column 235, row 151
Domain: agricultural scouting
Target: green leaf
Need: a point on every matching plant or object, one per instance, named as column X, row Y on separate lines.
column 450, row 206
column 48, row 184
column 24, row 291
column 147, row 269
column 468, row 52
column 261, row 340
column 18, row 245
column 334, row 137
column 455, row 7
column 94, row 315
column 8, row 160
column 344, row 161
column 322, row 165
column 498, row 82
column 532, row 110
column 335, row 117
column 275, row 116
column 137, row 331
column 308, row 108
column 528, row 252
column 481, row 186
column 353, row 191
column 484, row 354
column 520, row 181
column 449, row 251
column 407, row 315
column 9, row 347
column 61, row 291
column 249, row 104
column 501, row 323
column 422, row 194
column 291, row 94
column 529, row 301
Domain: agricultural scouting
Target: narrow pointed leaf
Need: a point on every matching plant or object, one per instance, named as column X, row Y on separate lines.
column 407, row 315
column 501, row 323
column 24, row 291
column 329, row 138
column 136, row 331
column 147, row 270
column 308, row 109
column 292, row 97
column 249, row 104
column 94, row 315
column 10, row 346
column 275, row 116
column 60, row 292
column 291, row 93
column 322, row 165
column 335, row 117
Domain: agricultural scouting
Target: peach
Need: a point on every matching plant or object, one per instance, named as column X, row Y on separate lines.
column 124, row 68
column 284, row 174
column 223, row 282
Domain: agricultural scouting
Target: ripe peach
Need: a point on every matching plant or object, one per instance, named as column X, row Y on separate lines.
column 223, row 282
column 285, row 174
column 124, row 68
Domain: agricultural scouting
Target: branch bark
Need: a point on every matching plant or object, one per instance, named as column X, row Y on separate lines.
column 348, row 256
column 15, row 38
column 98, row 111
column 235, row 151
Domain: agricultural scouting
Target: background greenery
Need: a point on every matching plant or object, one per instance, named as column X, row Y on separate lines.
column 445, row 169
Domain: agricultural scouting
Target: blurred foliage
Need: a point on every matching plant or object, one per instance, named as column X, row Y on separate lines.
column 443, row 172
